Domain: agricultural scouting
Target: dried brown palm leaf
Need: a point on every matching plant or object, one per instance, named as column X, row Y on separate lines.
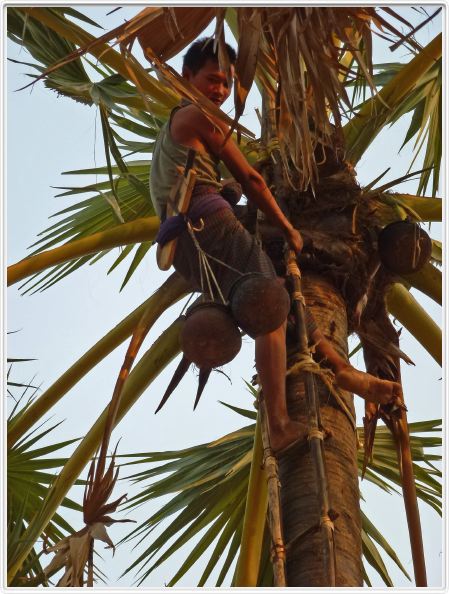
column 220, row 44
column 75, row 552
column 394, row 417
column 369, row 429
column 167, row 31
column 307, row 45
column 249, row 21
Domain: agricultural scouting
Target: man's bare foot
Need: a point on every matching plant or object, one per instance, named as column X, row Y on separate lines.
column 369, row 387
column 286, row 435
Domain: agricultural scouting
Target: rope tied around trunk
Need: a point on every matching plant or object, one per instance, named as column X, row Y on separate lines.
column 292, row 268
column 305, row 363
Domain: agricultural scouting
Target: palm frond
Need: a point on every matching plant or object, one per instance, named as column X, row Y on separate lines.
column 30, row 473
column 209, row 482
column 424, row 103
column 153, row 361
column 403, row 93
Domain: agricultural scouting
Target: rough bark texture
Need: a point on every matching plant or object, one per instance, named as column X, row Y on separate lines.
column 299, row 500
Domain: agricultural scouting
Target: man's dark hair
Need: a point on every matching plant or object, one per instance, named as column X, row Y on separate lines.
column 203, row 50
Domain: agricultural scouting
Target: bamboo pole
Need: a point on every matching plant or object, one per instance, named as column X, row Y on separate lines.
column 274, row 502
column 144, row 229
column 315, row 433
column 248, row 565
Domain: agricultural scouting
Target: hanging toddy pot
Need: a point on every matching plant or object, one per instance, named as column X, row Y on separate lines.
column 259, row 304
column 210, row 337
column 404, row 247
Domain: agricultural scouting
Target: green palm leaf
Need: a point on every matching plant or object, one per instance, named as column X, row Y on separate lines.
column 151, row 364
column 209, row 482
column 30, row 473
column 401, row 94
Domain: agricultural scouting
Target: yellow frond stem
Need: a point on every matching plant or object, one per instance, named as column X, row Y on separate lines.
column 404, row 307
column 248, row 565
column 429, row 209
column 173, row 289
column 428, row 280
column 126, row 234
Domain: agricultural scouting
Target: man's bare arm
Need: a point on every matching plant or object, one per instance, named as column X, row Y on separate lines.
column 193, row 126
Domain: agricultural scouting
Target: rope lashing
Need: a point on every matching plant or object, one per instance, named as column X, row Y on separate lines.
column 298, row 296
column 305, row 363
column 292, row 268
column 277, row 551
column 315, row 433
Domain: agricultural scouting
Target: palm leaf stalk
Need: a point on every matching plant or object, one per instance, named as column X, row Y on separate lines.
column 173, row 289
column 247, row 570
column 428, row 280
column 403, row 306
column 411, row 502
column 126, row 234
column 153, row 361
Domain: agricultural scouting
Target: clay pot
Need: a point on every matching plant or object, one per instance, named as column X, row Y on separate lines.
column 210, row 337
column 259, row 304
column 404, row 247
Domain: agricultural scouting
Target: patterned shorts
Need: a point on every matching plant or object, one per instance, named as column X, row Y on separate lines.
column 224, row 238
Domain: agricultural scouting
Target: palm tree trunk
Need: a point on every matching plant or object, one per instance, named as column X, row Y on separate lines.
column 300, row 509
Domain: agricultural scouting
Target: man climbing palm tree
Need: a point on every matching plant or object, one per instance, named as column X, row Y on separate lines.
column 225, row 239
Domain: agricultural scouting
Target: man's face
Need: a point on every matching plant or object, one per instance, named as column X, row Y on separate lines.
column 211, row 81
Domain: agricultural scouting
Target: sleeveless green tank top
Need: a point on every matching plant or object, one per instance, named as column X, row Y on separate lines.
column 167, row 154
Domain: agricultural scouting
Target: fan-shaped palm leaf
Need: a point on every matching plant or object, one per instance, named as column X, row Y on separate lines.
column 30, row 473
column 209, row 488
column 150, row 365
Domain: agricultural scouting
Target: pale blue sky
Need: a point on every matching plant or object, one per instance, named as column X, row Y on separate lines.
column 47, row 135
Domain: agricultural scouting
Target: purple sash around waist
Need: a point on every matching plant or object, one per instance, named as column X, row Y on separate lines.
column 203, row 206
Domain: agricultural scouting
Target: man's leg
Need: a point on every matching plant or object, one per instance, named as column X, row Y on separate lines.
column 369, row 387
column 271, row 362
